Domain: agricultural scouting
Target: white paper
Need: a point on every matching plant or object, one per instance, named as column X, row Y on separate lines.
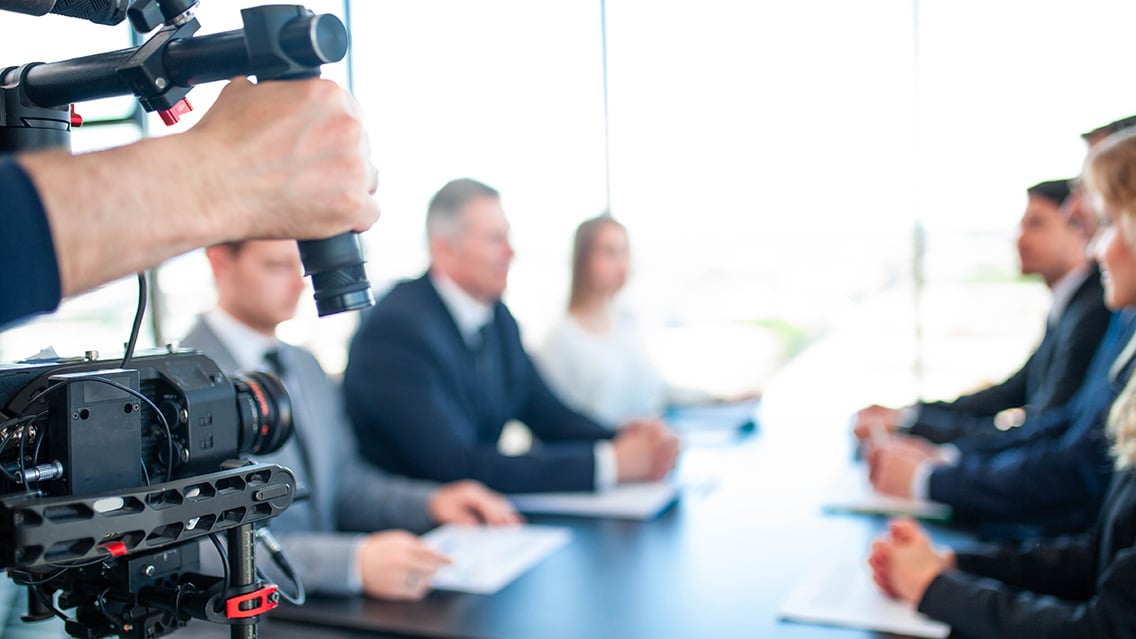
column 852, row 492
column 486, row 559
column 640, row 501
column 844, row 595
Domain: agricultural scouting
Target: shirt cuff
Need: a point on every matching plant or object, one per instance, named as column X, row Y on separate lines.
column 949, row 455
column 607, row 473
column 908, row 416
column 355, row 572
column 921, row 479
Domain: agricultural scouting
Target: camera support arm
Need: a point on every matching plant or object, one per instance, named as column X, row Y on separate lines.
column 144, row 527
column 42, row 534
column 160, row 72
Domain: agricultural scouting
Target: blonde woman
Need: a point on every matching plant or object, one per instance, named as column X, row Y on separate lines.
column 1071, row 587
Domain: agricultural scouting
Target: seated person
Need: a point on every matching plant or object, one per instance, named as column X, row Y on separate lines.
column 1083, row 586
column 594, row 358
column 1046, row 477
column 1053, row 246
column 437, row 368
column 258, row 286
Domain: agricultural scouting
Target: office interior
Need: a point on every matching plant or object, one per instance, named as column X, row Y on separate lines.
column 822, row 197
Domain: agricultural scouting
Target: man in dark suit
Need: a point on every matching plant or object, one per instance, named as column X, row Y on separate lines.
column 258, row 286
column 1045, row 477
column 1050, row 244
column 437, row 369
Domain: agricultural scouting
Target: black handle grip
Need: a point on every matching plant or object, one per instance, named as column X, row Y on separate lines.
column 335, row 264
column 29, row 7
column 98, row 11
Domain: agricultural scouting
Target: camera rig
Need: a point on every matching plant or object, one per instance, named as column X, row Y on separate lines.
column 113, row 473
column 83, row 447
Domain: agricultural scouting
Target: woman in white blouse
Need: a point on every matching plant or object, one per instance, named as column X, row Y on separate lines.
column 595, row 358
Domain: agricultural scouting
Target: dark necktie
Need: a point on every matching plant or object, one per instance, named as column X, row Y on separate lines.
column 483, row 370
column 272, row 358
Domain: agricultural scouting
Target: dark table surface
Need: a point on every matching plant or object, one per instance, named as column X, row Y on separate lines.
column 718, row 564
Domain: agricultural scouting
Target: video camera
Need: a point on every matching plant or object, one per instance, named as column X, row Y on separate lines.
column 113, row 472
column 108, row 476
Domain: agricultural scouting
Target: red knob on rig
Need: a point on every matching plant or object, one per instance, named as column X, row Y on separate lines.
column 171, row 115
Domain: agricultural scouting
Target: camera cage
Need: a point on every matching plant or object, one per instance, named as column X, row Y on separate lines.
column 127, row 559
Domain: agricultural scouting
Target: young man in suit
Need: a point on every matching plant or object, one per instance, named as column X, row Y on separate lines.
column 1048, row 476
column 1053, row 246
column 437, row 369
column 258, row 286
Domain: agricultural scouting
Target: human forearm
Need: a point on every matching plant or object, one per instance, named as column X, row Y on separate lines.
column 273, row 160
column 105, row 226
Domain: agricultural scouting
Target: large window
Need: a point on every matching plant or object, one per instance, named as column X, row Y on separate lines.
column 786, row 170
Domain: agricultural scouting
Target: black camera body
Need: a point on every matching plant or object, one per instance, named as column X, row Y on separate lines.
column 106, row 438
column 112, row 476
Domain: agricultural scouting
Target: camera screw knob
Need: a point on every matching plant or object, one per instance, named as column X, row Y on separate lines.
column 149, row 570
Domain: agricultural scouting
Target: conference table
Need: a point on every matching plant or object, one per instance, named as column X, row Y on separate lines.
column 718, row 563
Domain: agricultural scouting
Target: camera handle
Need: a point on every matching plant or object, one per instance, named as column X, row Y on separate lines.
column 335, row 264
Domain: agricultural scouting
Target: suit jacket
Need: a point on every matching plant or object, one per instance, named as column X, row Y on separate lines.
column 345, row 493
column 1082, row 586
column 1049, row 378
column 1049, row 474
column 425, row 404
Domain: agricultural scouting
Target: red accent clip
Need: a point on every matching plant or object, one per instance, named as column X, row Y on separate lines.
column 76, row 119
column 115, row 548
column 171, row 115
column 268, row 600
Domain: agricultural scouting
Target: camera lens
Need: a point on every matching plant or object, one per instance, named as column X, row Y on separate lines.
column 265, row 413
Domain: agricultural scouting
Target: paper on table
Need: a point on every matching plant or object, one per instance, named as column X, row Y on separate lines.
column 852, row 492
column 486, row 559
column 844, row 595
column 627, row 501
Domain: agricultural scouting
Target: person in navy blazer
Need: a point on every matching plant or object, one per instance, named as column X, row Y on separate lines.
column 1051, row 243
column 437, row 368
column 1081, row 586
column 259, row 283
column 1047, row 477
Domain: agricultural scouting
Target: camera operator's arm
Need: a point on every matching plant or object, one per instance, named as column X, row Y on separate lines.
column 279, row 159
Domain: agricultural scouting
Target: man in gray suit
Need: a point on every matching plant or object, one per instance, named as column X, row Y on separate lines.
column 258, row 286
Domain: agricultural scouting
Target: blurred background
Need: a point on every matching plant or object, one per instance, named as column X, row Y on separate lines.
column 817, row 180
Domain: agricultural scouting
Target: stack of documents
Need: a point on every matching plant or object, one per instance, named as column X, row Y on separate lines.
column 852, row 492
column 627, row 501
column 486, row 559
column 844, row 595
